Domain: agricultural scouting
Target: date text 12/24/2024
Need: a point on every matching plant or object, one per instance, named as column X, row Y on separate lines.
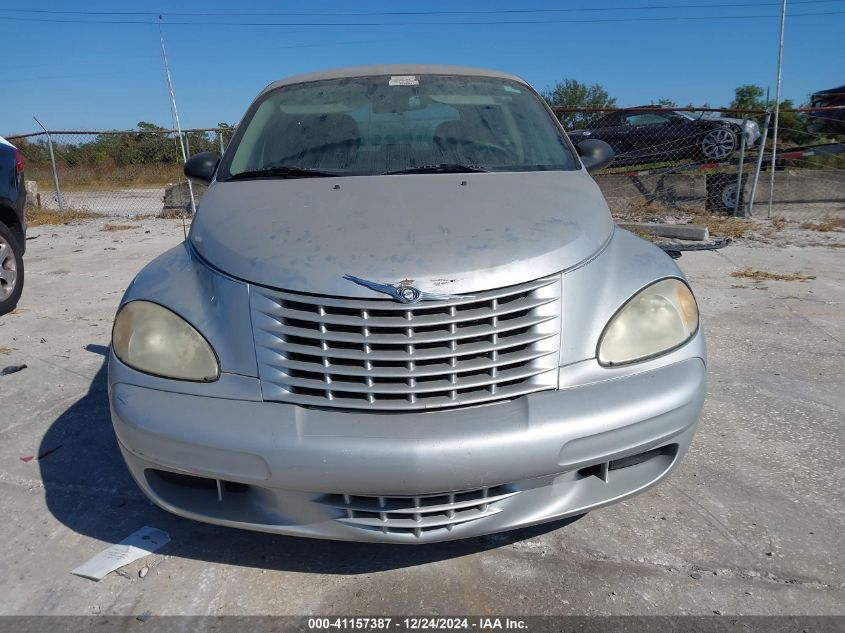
column 416, row 623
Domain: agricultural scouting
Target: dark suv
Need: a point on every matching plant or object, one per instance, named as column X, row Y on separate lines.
column 827, row 121
column 12, row 225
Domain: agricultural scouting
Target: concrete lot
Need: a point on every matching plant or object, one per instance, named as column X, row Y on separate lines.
column 752, row 522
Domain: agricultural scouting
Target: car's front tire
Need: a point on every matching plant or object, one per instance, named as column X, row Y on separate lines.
column 11, row 270
column 719, row 143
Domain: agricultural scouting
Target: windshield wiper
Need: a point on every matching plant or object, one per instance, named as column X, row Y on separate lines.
column 283, row 171
column 440, row 168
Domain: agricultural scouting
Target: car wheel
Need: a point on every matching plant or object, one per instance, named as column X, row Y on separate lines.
column 11, row 270
column 719, row 143
column 722, row 193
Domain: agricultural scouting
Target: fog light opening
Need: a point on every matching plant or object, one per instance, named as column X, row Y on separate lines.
column 219, row 487
column 602, row 470
column 596, row 470
column 181, row 479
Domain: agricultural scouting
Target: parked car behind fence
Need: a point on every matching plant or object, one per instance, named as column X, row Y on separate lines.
column 648, row 134
column 827, row 121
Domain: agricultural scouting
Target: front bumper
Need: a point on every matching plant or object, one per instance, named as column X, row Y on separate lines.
column 408, row 478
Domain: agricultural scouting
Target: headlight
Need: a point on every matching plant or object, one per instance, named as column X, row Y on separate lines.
column 152, row 339
column 659, row 318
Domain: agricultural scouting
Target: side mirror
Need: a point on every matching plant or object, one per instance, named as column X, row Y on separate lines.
column 595, row 154
column 200, row 167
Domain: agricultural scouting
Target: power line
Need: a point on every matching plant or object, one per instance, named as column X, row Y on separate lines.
column 677, row 18
column 719, row 5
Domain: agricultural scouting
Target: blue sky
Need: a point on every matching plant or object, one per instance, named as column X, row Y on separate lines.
column 109, row 76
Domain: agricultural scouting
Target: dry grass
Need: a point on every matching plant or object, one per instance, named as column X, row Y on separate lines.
column 827, row 244
column 718, row 224
column 825, row 226
column 724, row 226
column 118, row 227
column 764, row 275
column 84, row 178
column 174, row 214
column 641, row 210
column 45, row 217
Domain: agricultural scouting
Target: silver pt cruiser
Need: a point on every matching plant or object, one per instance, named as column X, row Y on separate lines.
column 403, row 314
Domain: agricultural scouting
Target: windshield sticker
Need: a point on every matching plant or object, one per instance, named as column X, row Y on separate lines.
column 512, row 89
column 404, row 80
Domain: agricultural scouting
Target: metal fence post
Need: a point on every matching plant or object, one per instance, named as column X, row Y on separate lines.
column 59, row 197
column 759, row 163
column 741, row 165
column 777, row 111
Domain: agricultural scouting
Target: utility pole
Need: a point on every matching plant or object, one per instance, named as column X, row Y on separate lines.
column 777, row 111
column 175, row 113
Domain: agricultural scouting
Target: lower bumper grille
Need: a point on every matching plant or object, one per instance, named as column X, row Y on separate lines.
column 416, row 515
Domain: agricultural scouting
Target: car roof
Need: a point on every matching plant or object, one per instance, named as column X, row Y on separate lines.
column 830, row 91
column 392, row 69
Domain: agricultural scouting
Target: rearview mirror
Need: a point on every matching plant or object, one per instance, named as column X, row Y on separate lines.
column 595, row 154
column 200, row 167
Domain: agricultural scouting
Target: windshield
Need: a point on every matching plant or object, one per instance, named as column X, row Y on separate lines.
column 382, row 124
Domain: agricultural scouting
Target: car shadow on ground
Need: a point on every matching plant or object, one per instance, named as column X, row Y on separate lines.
column 89, row 489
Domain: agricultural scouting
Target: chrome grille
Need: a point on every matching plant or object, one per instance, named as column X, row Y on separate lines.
column 382, row 355
column 416, row 515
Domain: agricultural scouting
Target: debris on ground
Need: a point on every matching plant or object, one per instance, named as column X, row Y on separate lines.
column 135, row 546
column 825, row 226
column 118, row 227
column 48, row 217
column 677, row 231
column 675, row 249
column 11, row 369
column 42, row 455
column 827, row 232
column 174, row 214
column 761, row 275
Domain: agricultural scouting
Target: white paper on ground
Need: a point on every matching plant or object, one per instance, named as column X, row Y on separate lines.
column 137, row 545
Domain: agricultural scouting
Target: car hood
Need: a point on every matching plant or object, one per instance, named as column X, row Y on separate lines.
column 450, row 233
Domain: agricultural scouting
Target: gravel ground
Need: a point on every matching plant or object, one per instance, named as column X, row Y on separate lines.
column 750, row 524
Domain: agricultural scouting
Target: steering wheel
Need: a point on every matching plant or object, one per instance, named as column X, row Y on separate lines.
column 311, row 150
column 493, row 152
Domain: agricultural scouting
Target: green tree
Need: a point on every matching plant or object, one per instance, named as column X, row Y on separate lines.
column 792, row 126
column 748, row 97
column 570, row 93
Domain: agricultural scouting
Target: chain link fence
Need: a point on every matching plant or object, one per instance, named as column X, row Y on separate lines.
column 125, row 173
column 671, row 161
column 668, row 162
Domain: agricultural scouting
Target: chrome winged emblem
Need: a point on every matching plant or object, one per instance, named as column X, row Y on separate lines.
column 403, row 292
